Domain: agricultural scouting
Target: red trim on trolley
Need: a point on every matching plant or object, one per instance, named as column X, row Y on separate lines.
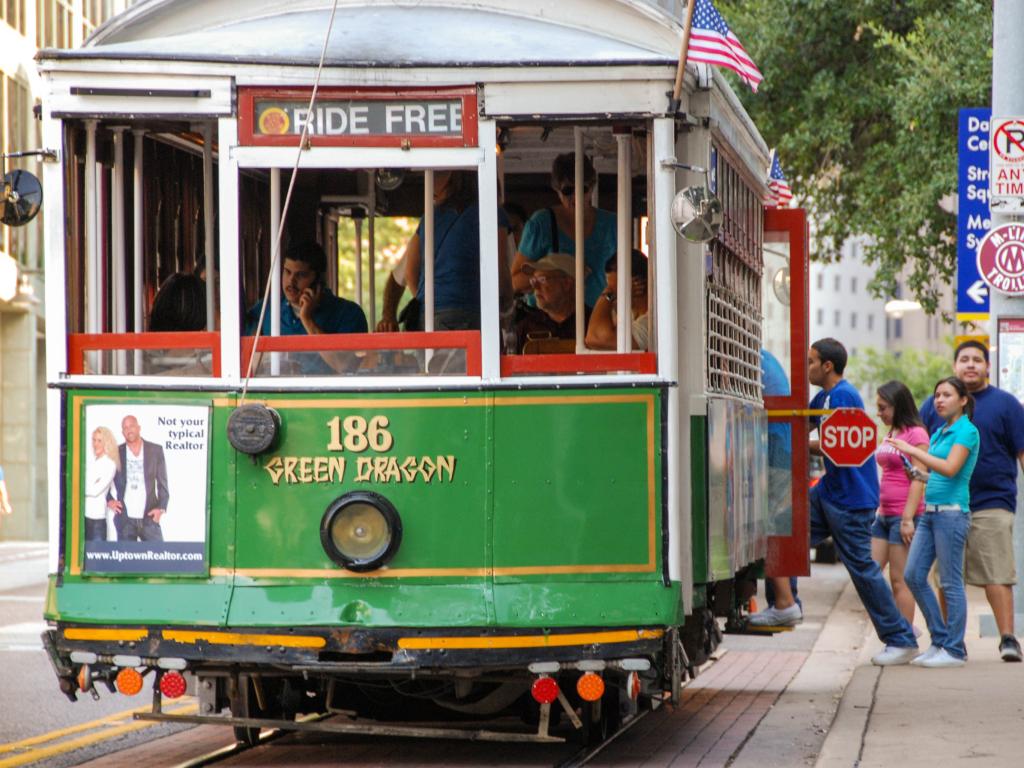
column 80, row 343
column 788, row 555
column 247, row 135
column 364, row 342
column 635, row 362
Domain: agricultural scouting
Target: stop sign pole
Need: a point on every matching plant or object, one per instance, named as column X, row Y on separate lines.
column 848, row 437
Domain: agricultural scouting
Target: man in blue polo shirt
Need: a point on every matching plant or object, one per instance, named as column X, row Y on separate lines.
column 999, row 417
column 308, row 307
column 843, row 506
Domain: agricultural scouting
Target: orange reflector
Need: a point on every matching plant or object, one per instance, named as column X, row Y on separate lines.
column 172, row 685
column 84, row 678
column 590, row 687
column 544, row 690
column 752, row 605
column 129, row 681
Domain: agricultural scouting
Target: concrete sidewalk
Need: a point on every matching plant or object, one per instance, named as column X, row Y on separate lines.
column 926, row 718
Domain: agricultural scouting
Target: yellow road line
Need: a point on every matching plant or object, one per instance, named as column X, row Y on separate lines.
column 34, row 755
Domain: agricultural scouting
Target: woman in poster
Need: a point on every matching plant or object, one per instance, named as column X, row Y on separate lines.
column 102, row 467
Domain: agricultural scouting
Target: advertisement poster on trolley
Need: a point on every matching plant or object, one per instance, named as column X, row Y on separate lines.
column 144, row 495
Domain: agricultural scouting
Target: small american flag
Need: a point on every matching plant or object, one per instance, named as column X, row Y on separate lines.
column 778, row 187
column 712, row 42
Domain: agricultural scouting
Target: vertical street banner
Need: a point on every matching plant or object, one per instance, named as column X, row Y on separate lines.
column 144, row 500
column 973, row 217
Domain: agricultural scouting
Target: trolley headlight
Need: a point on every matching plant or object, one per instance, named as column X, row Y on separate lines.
column 361, row 531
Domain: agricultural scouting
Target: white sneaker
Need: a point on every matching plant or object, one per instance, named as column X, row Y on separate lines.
column 892, row 655
column 777, row 617
column 932, row 650
column 942, row 658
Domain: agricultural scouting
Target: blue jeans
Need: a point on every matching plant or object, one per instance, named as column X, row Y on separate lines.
column 850, row 530
column 941, row 535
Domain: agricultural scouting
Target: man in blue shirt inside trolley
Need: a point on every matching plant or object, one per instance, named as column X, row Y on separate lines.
column 843, row 506
column 308, row 307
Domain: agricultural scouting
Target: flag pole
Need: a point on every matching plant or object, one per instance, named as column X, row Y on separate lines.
column 674, row 102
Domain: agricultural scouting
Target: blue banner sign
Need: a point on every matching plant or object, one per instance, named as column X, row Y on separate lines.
column 973, row 218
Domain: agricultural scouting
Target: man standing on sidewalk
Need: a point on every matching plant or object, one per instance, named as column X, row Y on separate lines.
column 843, row 506
column 989, row 560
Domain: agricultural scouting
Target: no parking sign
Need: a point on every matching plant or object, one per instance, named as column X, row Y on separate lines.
column 1006, row 180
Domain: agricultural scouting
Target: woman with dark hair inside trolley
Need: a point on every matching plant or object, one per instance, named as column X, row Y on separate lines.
column 456, row 256
column 553, row 230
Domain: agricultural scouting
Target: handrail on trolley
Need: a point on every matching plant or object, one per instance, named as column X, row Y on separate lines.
column 81, row 343
column 369, row 342
column 611, row 362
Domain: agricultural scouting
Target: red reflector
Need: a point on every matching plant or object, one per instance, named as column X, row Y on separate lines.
column 590, row 687
column 128, row 681
column 172, row 685
column 544, row 690
column 633, row 685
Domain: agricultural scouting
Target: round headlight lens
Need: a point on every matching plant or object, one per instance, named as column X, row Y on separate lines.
column 361, row 531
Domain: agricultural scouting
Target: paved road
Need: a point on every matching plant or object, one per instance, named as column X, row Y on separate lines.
column 30, row 701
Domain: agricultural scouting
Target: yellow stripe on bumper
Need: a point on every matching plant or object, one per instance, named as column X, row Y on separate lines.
column 238, row 638
column 527, row 641
column 83, row 633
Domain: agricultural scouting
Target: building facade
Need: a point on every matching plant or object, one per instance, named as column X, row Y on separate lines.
column 25, row 27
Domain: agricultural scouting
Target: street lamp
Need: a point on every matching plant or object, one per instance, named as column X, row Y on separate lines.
column 896, row 308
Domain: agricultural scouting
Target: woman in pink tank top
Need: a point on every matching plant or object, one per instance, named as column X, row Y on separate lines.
column 896, row 409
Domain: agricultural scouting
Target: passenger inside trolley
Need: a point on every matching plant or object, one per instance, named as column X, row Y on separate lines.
column 602, row 326
column 350, row 225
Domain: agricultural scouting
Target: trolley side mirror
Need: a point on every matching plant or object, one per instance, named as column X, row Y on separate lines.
column 21, row 198
column 696, row 214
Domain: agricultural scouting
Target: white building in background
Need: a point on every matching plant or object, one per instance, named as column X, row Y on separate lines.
column 841, row 306
column 25, row 27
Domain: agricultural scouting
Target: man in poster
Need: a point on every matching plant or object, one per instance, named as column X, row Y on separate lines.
column 141, row 485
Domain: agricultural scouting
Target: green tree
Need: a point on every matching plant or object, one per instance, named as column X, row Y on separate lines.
column 390, row 236
column 862, row 100
column 916, row 368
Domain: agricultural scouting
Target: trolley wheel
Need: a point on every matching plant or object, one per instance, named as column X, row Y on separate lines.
column 243, row 704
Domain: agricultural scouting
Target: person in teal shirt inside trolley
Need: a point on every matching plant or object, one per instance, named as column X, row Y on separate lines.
column 553, row 230
column 942, row 533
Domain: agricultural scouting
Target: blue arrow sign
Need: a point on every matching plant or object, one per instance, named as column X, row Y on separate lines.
column 973, row 218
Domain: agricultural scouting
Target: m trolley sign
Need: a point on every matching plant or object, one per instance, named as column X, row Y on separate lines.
column 1001, row 259
column 848, row 437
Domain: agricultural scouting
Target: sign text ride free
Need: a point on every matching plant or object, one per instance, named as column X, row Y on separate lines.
column 277, row 117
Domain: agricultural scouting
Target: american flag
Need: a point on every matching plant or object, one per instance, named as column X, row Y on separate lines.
column 778, row 187
column 712, row 42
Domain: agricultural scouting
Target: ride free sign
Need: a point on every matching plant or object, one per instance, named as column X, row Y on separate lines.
column 279, row 117
column 848, row 437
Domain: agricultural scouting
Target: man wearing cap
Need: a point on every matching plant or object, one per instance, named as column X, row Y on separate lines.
column 553, row 280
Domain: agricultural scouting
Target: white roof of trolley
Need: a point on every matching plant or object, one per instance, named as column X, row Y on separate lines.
column 391, row 33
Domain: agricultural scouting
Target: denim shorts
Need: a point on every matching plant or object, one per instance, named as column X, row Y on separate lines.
column 887, row 527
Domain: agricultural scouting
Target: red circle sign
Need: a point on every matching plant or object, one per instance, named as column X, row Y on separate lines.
column 1001, row 259
column 848, row 437
column 1008, row 140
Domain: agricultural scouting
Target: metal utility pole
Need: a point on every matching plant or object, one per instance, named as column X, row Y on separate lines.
column 1007, row 101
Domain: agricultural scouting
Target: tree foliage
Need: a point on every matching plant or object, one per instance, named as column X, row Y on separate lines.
column 861, row 98
column 917, row 368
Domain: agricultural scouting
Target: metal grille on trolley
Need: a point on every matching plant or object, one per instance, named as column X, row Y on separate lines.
column 734, row 290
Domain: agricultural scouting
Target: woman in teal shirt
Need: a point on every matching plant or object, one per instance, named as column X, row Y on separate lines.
column 942, row 532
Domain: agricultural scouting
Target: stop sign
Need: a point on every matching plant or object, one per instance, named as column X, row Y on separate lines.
column 848, row 437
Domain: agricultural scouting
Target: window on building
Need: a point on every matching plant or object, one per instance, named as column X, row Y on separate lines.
column 821, row 281
column 838, row 283
column 871, row 322
column 853, row 321
column 17, row 134
column 13, row 12
column 836, row 318
column 897, row 328
column 821, row 317
column 853, row 285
